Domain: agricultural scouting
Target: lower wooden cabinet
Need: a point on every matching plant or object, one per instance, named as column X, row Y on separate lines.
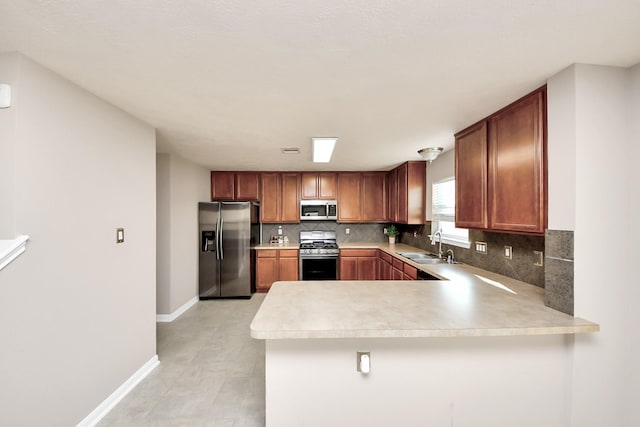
column 384, row 266
column 273, row 265
column 358, row 264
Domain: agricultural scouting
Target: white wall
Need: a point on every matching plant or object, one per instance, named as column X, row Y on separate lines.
column 77, row 310
column 463, row 382
column 163, row 234
column 561, row 150
column 8, row 71
column 441, row 168
column 606, row 186
column 183, row 184
column 631, row 390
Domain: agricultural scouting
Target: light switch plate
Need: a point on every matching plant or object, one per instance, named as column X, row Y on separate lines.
column 119, row 235
column 481, row 247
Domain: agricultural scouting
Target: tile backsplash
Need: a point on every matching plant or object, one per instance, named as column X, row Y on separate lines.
column 520, row 267
column 357, row 232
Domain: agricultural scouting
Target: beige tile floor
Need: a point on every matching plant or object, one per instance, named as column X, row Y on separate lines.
column 211, row 372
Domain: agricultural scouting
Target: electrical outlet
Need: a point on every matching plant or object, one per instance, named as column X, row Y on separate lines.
column 363, row 363
column 347, row 230
column 384, row 231
column 508, row 252
column 481, row 247
column 538, row 257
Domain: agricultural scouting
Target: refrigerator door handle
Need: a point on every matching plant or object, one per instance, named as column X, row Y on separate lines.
column 218, row 239
column 221, row 249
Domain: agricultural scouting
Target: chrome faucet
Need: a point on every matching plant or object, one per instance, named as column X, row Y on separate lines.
column 450, row 257
column 433, row 241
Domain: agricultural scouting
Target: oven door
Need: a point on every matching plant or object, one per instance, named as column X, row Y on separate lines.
column 318, row 268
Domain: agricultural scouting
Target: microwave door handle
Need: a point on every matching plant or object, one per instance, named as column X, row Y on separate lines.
column 326, row 210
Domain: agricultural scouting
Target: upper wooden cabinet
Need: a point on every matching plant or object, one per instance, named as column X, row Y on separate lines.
column 373, row 196
column 407, row 193
column 517, row 166
column 280, row 197
column 471, row 177
column 235, row 186
column 501, row 181
column 362, row 197
column 319, row 186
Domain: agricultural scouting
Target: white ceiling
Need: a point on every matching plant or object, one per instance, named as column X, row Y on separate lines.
column 227, row 83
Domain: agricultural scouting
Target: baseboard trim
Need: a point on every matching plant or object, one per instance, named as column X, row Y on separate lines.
column 110, row 402
column 173, row 316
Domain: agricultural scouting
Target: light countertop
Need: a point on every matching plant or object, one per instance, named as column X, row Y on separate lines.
column 468, row 302
column 387, row 309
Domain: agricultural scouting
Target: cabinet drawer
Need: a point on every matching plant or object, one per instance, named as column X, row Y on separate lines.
column 358, row 252
column 266, row 253
column 398, row 264
column 384, row 256
column 288, row 253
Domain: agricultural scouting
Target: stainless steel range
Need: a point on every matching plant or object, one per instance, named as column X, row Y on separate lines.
column 319, row 254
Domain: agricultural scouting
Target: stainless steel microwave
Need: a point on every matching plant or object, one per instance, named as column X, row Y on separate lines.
column 318, row 210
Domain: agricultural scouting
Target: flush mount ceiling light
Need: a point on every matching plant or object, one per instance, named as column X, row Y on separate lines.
column 290, row 150
column 322, row 149
column 430, row 153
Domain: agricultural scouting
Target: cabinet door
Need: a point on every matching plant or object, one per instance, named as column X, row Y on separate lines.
column 349, row 197
column 270, row 197
column 288, row 264
column 374, row 197
column 309, row 186
column 393, row 195
column 222, row 185
column 410, row 272
column 416, row 192
column 366, row 268
column 397, row 274
column 348, row 268
column 327, row 186
column 517, row 190
column 247, row 186
column 471, row 177
column 290, row 210
column 266, row 273
column 403, row 188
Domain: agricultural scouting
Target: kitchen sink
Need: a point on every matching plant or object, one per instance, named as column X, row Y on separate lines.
column 422, row 258
column 429, row 260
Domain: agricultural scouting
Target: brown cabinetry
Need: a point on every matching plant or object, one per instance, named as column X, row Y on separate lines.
column 358, row 264
column 362, row 197
column 471, row 177
column 501, row 169
column 235, row 185
column 273, row 265
column 280, row 197
column 407, row 193
column 319, row 186
column 384, row 266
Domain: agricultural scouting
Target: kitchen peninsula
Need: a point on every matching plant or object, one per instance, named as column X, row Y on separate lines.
column 441, row 352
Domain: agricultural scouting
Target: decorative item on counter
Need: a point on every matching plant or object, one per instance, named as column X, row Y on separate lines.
column 392, row 232
column 273, row 239
column 286, row 240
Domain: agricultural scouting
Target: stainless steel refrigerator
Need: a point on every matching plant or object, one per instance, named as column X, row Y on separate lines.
column 226, row 232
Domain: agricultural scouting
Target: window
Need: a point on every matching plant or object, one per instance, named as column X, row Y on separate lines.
column 443, row 210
